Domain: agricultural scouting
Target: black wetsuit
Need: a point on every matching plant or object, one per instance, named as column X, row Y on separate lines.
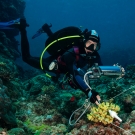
column 79, row 67
column 68, row 58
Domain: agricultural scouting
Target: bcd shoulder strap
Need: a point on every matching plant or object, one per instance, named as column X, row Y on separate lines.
column 76, row 50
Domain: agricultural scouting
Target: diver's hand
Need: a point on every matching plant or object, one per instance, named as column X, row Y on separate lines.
column 46, row 29
column 94, row 97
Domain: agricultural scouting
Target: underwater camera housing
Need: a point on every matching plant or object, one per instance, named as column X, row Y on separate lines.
column 95, row 72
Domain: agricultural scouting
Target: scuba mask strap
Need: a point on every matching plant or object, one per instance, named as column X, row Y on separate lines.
column 76, row 50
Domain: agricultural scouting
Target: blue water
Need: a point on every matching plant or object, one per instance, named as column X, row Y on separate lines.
column 114, row 20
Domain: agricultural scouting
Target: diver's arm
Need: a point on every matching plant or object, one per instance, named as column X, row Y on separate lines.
column 78, row 75
column 78, row 79
column 92, row 95
column 70, row 60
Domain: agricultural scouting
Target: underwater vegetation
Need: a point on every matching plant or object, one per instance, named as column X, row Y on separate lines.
column 101, row 113
column 35, row 127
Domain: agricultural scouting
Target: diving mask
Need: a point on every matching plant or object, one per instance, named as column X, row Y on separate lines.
column 93, row 47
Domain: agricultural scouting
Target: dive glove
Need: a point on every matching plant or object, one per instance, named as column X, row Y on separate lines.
column 92, row 95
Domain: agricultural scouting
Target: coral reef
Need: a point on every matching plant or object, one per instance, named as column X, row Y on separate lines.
column 130, row 74
column 10, row 10
column 7, row 112
column 113, row 89
column 97, row 129
column 8, row 69
column 37, row 117
column 100, row 113
column 51, row 107
column 38, row 84
column 9, row 48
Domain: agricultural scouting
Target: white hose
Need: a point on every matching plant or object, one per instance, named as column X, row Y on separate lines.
column 85, row 79
column 86, row 101
column 82, row 105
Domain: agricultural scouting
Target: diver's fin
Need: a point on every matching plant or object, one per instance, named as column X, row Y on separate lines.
column 9, row 25
column 38, row 33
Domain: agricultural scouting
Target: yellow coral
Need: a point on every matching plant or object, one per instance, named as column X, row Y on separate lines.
column 117, row 108
column 100, row 113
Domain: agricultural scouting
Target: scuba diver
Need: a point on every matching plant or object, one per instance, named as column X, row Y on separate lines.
column 71, row 50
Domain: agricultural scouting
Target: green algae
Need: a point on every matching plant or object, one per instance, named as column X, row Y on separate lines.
column 36, row 128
